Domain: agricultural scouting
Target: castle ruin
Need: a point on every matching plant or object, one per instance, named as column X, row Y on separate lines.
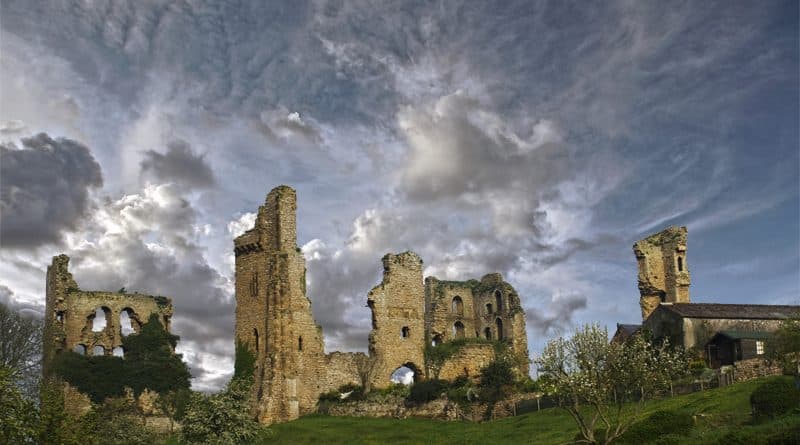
column 71, row 321
column 274, row 319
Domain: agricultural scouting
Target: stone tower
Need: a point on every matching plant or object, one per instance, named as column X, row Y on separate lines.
column 663, row 272
column 273, row 314
column 398, row 318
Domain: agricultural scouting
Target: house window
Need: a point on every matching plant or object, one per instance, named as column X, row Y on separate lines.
column 759, row 347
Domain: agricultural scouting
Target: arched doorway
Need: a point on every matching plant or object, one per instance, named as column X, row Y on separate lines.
column 458, row 330
column 406, row 374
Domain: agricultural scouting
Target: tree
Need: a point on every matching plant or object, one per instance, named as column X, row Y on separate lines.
column 17, row 413
column 223, row 418
column 21, row 349
column 784, row 345
column 593, row 379
column 365, row 366
column 149, row 362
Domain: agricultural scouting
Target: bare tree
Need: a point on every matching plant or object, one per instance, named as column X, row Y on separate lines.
column 21, row 349
column 365, row 366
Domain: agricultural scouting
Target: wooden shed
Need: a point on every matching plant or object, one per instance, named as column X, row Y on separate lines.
column 727, row 347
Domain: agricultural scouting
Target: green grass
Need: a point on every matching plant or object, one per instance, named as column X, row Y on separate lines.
column 718, row 412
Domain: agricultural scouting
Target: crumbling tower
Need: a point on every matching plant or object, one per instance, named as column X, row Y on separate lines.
column 663, row 272
column 273, row 314
column 398, row 318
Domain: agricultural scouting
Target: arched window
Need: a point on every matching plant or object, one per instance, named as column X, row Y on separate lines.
column 126, row 321
column 488, row 308
column 60, row 316
column 458, row 305
column 80, row 349
column 255, row 335
column 98, row 350
column 99, row 319
column 458, row 330
column 487, row 333
column 498, row 299
column 499, row 324
column 437, row 340
column 680, row 264
column 300, row 343
column 405, row 332
column 118, row 352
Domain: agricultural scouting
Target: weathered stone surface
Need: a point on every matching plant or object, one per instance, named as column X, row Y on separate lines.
column 468, row 362
column 273, row 316
column 663, row 272
column 69, row 317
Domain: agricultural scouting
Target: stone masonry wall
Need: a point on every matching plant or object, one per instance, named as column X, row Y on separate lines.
column 468, row 361
column 663, row 272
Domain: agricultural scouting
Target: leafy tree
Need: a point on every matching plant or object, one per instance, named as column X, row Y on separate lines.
column 221, row 419
column 497, row 380
column 21, row 349
column 150, row 360
column 593, row 379
column 17, row 413
column 784, row 346
column 149, row 363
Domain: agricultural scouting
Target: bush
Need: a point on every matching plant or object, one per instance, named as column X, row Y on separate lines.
column 774, row 398
column 221, row 419
column 773, row 433
column 659, row 424
column 426, row 390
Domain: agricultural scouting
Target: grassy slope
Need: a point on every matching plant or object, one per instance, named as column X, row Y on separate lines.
column 718, row 412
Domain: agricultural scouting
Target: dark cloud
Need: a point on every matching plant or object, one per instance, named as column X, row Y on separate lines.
column 559, row 315
column 44, row 189
column 25, row 309
column 179, row 164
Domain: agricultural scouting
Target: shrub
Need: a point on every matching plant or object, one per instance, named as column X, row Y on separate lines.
column 221, row 419
column 774, row 398
column 659, row 424
column 426, row 390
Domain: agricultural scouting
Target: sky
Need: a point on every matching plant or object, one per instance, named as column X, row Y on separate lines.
column 536, row 139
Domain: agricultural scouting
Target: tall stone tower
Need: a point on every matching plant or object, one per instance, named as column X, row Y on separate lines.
column 663, row 272
column 273, row 314
column 398, row 318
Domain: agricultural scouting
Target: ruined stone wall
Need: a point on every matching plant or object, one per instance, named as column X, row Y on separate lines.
column 69, row 318
column 491, row 309
column 448, row 303
column 663, row 272
column 398, row 310
column 468, row 361
column 754, row 368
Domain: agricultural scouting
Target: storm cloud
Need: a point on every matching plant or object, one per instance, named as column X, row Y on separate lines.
column 179, row 164
column 44, row 189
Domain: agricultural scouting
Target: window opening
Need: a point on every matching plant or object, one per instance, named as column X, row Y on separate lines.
column 118, row 352
column 499, row 324
column 458, row 330
column 299, row 343
column 405, row 332
column 99, row 350
column 126, row 326
column 487, row 333
column 498, row 297
column 488, row 308
column 458, row 305
column 98, row 320
column 759, row 347
column 80, row 349
column 680, row 264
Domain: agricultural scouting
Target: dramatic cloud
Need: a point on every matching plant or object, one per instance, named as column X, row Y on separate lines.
column 179, row 164
column 44, row 189
column 537, row 140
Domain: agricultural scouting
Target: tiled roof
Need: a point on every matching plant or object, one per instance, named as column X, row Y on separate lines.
column 747, row 311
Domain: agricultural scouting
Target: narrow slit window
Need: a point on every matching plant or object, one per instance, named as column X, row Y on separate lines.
column 299, row 343
column 680, row 264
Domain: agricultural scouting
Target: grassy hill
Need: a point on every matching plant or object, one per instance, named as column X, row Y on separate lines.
column 721, row 416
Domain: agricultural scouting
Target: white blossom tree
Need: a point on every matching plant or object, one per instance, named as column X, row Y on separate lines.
column 604, row 385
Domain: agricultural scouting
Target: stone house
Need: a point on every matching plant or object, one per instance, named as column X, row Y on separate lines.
column 727, row 347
